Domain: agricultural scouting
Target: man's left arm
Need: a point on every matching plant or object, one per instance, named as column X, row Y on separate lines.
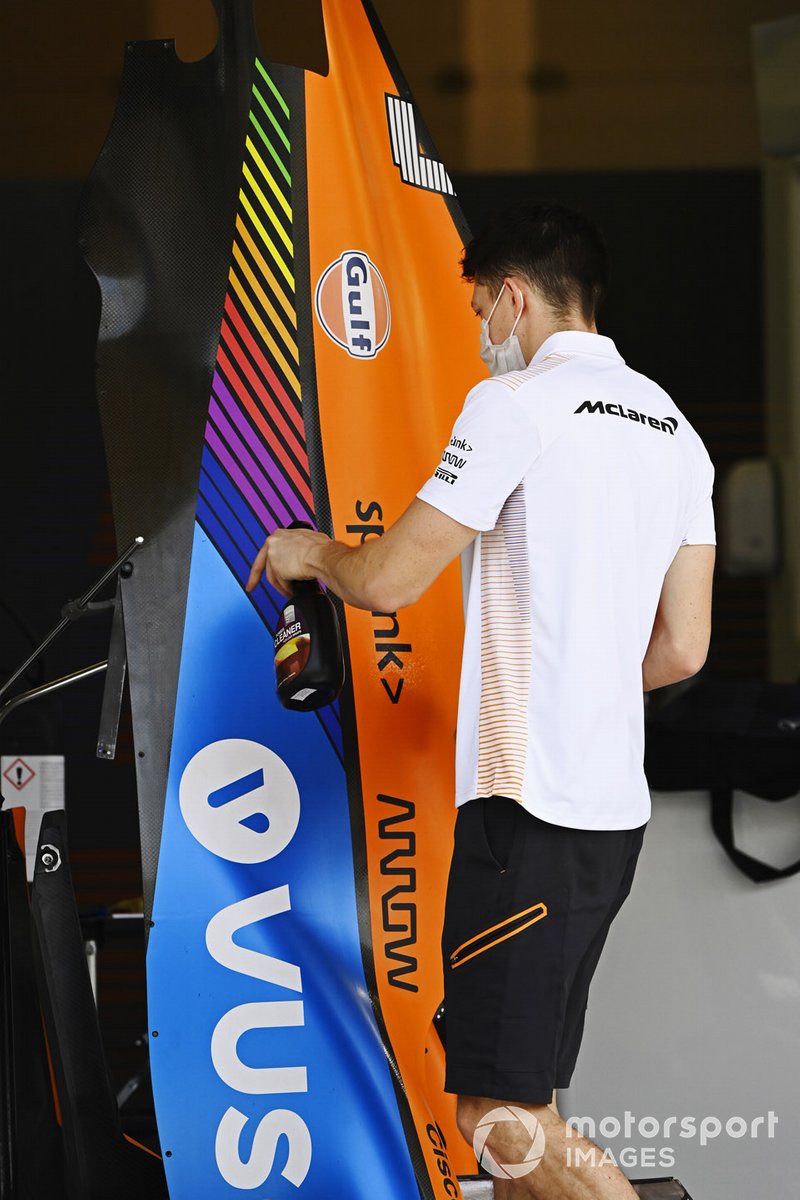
column 381, row 575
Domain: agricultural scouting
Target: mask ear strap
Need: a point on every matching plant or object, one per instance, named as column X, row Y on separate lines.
column 519, row 314
column 496, row 302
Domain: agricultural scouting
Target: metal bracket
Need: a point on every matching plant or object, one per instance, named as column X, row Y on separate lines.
column 73, row 609
column 114, row 685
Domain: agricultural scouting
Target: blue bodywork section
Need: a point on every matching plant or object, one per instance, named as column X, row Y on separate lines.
column 226, row 690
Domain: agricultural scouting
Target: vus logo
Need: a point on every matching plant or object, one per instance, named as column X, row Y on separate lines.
column 241, row 802
column 666, row 425
column 352, row 304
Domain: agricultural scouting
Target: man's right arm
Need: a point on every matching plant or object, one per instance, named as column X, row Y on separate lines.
column 682, row 627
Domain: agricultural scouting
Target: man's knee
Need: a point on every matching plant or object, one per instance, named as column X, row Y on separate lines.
column 469, row 1110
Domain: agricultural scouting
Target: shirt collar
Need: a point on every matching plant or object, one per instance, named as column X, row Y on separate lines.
column 577, row 341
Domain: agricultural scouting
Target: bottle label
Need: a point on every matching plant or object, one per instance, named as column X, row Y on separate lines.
column 292, row 645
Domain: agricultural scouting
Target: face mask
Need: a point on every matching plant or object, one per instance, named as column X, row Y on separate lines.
column 507, row 356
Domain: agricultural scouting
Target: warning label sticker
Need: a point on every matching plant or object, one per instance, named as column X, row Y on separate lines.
column 19, row 774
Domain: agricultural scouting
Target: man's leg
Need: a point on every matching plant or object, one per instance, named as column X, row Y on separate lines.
column 528, row 907
column 571, row 1168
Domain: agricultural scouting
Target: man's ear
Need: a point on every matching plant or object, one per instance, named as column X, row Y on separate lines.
column 520, row 293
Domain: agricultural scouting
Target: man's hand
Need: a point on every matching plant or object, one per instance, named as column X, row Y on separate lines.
column 284, row 558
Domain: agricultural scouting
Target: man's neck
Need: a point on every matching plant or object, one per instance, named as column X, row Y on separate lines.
column 568, row 325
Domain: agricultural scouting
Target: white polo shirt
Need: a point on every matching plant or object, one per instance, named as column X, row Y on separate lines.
column 584, row 479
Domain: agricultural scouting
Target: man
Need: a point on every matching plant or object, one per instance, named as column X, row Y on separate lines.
column 585, row 507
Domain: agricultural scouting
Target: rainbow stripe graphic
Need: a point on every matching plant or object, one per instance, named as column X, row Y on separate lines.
column 255, row 474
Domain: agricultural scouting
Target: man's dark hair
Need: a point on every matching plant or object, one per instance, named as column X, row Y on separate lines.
column 557, row 250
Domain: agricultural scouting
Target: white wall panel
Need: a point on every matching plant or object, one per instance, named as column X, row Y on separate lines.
column 695, row 1007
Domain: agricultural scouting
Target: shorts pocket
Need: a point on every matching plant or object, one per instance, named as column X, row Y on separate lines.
column 485, row 939
column 501, row 820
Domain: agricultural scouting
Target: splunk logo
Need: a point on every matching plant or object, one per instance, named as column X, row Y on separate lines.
column 667, row 425
column 240, row 801
column 353, row 305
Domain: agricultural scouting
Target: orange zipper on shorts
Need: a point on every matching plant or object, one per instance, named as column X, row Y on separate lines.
column 497, row 933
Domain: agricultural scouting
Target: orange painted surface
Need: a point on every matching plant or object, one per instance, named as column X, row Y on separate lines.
column 18, row 817
column 384, row 423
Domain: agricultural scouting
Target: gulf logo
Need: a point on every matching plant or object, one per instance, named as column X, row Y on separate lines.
column 353, row 305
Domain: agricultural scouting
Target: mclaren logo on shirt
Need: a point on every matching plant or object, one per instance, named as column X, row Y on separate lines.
column 667, row 425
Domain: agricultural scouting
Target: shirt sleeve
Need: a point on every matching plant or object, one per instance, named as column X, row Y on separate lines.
column 700, row 530
column 494, row 444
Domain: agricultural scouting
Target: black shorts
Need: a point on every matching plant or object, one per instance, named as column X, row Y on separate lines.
column 528, row 909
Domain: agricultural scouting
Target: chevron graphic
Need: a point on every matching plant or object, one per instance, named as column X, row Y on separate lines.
column 416, row 169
